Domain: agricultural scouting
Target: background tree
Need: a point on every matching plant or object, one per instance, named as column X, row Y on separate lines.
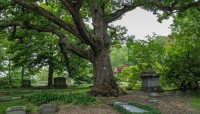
column 183, row 61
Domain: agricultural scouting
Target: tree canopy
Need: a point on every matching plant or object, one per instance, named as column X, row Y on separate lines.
column 67, row 19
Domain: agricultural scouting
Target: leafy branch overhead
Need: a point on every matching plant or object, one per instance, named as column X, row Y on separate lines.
column 74, row 7
column 83, row 27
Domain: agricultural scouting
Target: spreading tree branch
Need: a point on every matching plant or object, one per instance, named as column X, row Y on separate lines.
column 50, row 16
column 63, row 39
column 115, row 15
column 174, row 5
column 74, row 9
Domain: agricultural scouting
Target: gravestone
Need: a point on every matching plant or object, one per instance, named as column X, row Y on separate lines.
column 179, row 92
column 167, row 93
column 3, row 93
column 154, row 94
column 48, row 108
column 16, row 98
column 60, row 82
column 26, row 83
column 150, row 81
column 26, row 91
column 5, row 99
column 152, row 100
column 129, row 107
column 16, row 110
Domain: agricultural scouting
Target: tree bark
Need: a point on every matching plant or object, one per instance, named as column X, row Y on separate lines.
column 50, row 76
column 104, row 83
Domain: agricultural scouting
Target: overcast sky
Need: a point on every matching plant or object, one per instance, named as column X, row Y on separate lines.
column 142, row 23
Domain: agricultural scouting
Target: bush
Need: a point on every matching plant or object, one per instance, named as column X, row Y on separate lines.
column 74, row 98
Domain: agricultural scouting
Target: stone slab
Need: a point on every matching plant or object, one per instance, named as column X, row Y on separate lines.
column 132, row 108
column 129, row 107
column 26, row 95
column 154, row 94
column 167, row 93
column 16, row 98
column 26, row 91
column 48, row 108
column 152, row 100
column 3, row 93
column 119, row 103
column 16, row 110
column 2, row 99
column 38, row 91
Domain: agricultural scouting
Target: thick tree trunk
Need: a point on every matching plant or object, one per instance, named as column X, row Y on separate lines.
column 50, row 76
column 104, row 83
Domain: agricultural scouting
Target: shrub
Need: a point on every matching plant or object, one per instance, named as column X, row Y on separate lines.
column 74, row 98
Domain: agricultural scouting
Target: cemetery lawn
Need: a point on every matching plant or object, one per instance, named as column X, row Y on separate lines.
column 175, row 103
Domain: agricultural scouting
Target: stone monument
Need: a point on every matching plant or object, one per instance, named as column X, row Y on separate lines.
column 16, row 110
column 26, row 83
column 60, row 82
column 150, row 81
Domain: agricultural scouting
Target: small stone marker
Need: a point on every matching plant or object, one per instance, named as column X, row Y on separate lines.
column 26, row 83
column 129, row 107
column 3, row 93
column 25, row 91
column 26, row 95
column 48, row 108
column 38, row 91
column 154, row 94
column 16, row 110
column 4, row 99
column 167, row 93
column 178, row 92
column 7, row 87
column 152, row 100
column 16, row 98
column 190, row 92
column 119, row 103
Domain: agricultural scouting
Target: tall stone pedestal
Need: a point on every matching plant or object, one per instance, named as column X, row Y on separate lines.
column 150, row 82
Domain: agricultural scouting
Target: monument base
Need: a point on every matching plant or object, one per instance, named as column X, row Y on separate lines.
column 152, row 89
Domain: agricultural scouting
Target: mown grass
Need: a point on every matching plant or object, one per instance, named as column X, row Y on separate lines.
column 4, row 105
column 64, row 96
column 195, row 100
column 16, row 92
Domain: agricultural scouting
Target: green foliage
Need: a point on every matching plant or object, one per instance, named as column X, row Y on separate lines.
column 132, row 75
column 119, row 55
column 74, row 98
column 83, row 79
column 183, row 55
column 151, row 109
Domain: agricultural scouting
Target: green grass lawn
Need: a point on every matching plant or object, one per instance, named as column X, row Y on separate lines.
column 5, row 105
column 31, row 107
column 195, row 100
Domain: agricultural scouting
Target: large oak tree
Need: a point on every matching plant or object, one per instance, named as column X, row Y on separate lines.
column 67, row 20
